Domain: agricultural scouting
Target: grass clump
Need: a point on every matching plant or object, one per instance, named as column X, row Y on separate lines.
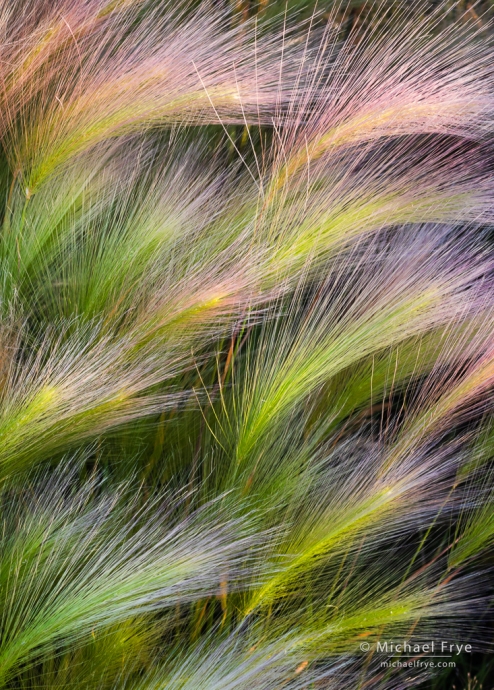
column 246, row 344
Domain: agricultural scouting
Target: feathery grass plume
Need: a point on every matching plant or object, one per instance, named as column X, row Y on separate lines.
column 391, row 129
column 331, row 203
column 146, row 283
column 143, row 275
column 81, row 74
column 150, row 221
column 390, row 290
column 244, row 661
column 340, row 521
column 355, row 394
column 393, row 79
column 278, row 338
column 267, row 655
column 77, row 561
column 76, row 387
column 452, row 395
column 476, row 531
column 33, row 235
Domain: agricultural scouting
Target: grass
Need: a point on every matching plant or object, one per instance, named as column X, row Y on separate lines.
column 246, row 364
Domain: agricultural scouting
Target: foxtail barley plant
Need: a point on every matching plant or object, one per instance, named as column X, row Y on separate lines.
column 247, row 344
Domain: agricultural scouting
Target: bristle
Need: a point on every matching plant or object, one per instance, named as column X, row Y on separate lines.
column 247, row 359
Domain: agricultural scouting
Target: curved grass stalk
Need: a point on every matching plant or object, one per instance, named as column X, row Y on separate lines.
column 75, row 563
column 311, row 323
column 125, row 74
column 359, row 508
column 349, row 322
column 269, row 656
column 393, row 81
column 450, row 398
column 343, row 201
column 74, row 390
